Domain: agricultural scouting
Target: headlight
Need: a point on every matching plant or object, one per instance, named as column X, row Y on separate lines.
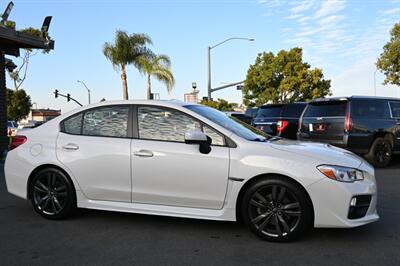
column 341, row 173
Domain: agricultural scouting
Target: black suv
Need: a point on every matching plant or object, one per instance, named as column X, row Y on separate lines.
column 279, row 119
column 365, row 125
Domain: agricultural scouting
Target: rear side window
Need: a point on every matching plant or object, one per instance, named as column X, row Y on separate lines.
column 326, row 109
column 270, row 111
column 395, row 108
column 369, row 108
column 73, row 125
column 106, row 122
column 293, row 110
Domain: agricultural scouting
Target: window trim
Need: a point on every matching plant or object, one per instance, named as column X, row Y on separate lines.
column 227, row 141
column 83, row 112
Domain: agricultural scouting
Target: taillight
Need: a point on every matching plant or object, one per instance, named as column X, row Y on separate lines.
column 348, row 123
column 281, row 125
column 17, row 141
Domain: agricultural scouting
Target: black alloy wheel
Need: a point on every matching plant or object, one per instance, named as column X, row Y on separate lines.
column 276, row 210
column 380, row 153
column 52, row 194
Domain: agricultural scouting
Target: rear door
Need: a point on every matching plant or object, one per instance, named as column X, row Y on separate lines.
column 95, row 146
column 267, row 118
column 324, row 121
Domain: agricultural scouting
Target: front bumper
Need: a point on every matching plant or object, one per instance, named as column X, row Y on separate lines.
column 331, row 200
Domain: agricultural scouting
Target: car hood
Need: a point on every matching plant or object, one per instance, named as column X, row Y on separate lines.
column 323, row 153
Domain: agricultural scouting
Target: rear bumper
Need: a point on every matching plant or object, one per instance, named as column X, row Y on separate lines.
column 332, row 201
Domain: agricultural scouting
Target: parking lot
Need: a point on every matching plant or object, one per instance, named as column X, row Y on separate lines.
column 99, row 237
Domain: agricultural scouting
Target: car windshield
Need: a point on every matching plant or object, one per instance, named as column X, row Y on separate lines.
column 230, row 123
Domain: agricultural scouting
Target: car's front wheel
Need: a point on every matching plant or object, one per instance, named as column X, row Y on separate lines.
column 52, row 194
column 276, row 209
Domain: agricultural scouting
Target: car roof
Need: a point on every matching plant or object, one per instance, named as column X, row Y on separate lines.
column 280, row 104
column 346, row 98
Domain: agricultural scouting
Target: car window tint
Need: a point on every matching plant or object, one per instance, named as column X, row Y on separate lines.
column 73, row 125
column 164, row 124
column 326, row 109
column 270, row 111
column 293, row 110
column 106, row 121
column 362, row 108
column 216, row 138
column 395, row 107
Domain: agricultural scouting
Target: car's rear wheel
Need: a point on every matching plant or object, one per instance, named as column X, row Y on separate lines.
column 380, row 152
column 276, row 209
column 52, row 194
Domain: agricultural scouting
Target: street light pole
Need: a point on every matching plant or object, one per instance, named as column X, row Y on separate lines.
column 375, row 81
column 209, row 89
column 79, row 81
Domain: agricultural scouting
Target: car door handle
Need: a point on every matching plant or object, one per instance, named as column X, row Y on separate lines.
column 70, row 147
column 143, row 153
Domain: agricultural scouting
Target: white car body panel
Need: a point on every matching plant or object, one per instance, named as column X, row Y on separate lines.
column 96, row 163
column 200, row 181
column 218, row 190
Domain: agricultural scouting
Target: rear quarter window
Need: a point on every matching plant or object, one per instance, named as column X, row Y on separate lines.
column 395, row 108
column 326, row 109
column 369, row 108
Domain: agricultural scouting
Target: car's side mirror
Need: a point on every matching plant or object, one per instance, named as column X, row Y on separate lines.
column 199, row 137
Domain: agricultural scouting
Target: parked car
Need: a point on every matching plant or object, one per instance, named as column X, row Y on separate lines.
column 241, row 116
column 12, row 128
column 369, row 126
column 188, row 161
column 279, row 119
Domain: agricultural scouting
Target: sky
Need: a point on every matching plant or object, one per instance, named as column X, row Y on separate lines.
column 343, row 37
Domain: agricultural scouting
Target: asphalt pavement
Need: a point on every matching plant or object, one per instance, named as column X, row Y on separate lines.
column 104, row 238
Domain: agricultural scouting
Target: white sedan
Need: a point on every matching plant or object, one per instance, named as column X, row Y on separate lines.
column 187, row 160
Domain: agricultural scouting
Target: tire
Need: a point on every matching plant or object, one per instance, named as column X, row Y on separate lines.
column 380, row 153
column 52, row 194
column 277, row 209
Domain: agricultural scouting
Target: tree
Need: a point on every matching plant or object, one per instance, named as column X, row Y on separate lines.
column 221, row 104
column 126, row 50
column 158, row 66
column 18, row 104
column 389, row 60
column 283, row 78
column 18, row 76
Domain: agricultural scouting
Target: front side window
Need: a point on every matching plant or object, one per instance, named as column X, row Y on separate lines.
column 216, row 138
column 73, row 125
column 395, row 108
column 111, row 121
column 164, row 124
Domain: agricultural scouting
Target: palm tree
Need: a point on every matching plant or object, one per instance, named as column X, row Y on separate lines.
column 158, row 66
column 126, row 50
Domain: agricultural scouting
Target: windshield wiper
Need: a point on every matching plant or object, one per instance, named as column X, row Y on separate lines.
column 259, row 139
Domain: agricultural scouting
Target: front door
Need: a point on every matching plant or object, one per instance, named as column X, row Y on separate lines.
column 166, row 171
column 95, row 147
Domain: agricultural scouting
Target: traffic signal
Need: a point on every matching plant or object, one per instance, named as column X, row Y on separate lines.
column 56, row 93
column 68, row 97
